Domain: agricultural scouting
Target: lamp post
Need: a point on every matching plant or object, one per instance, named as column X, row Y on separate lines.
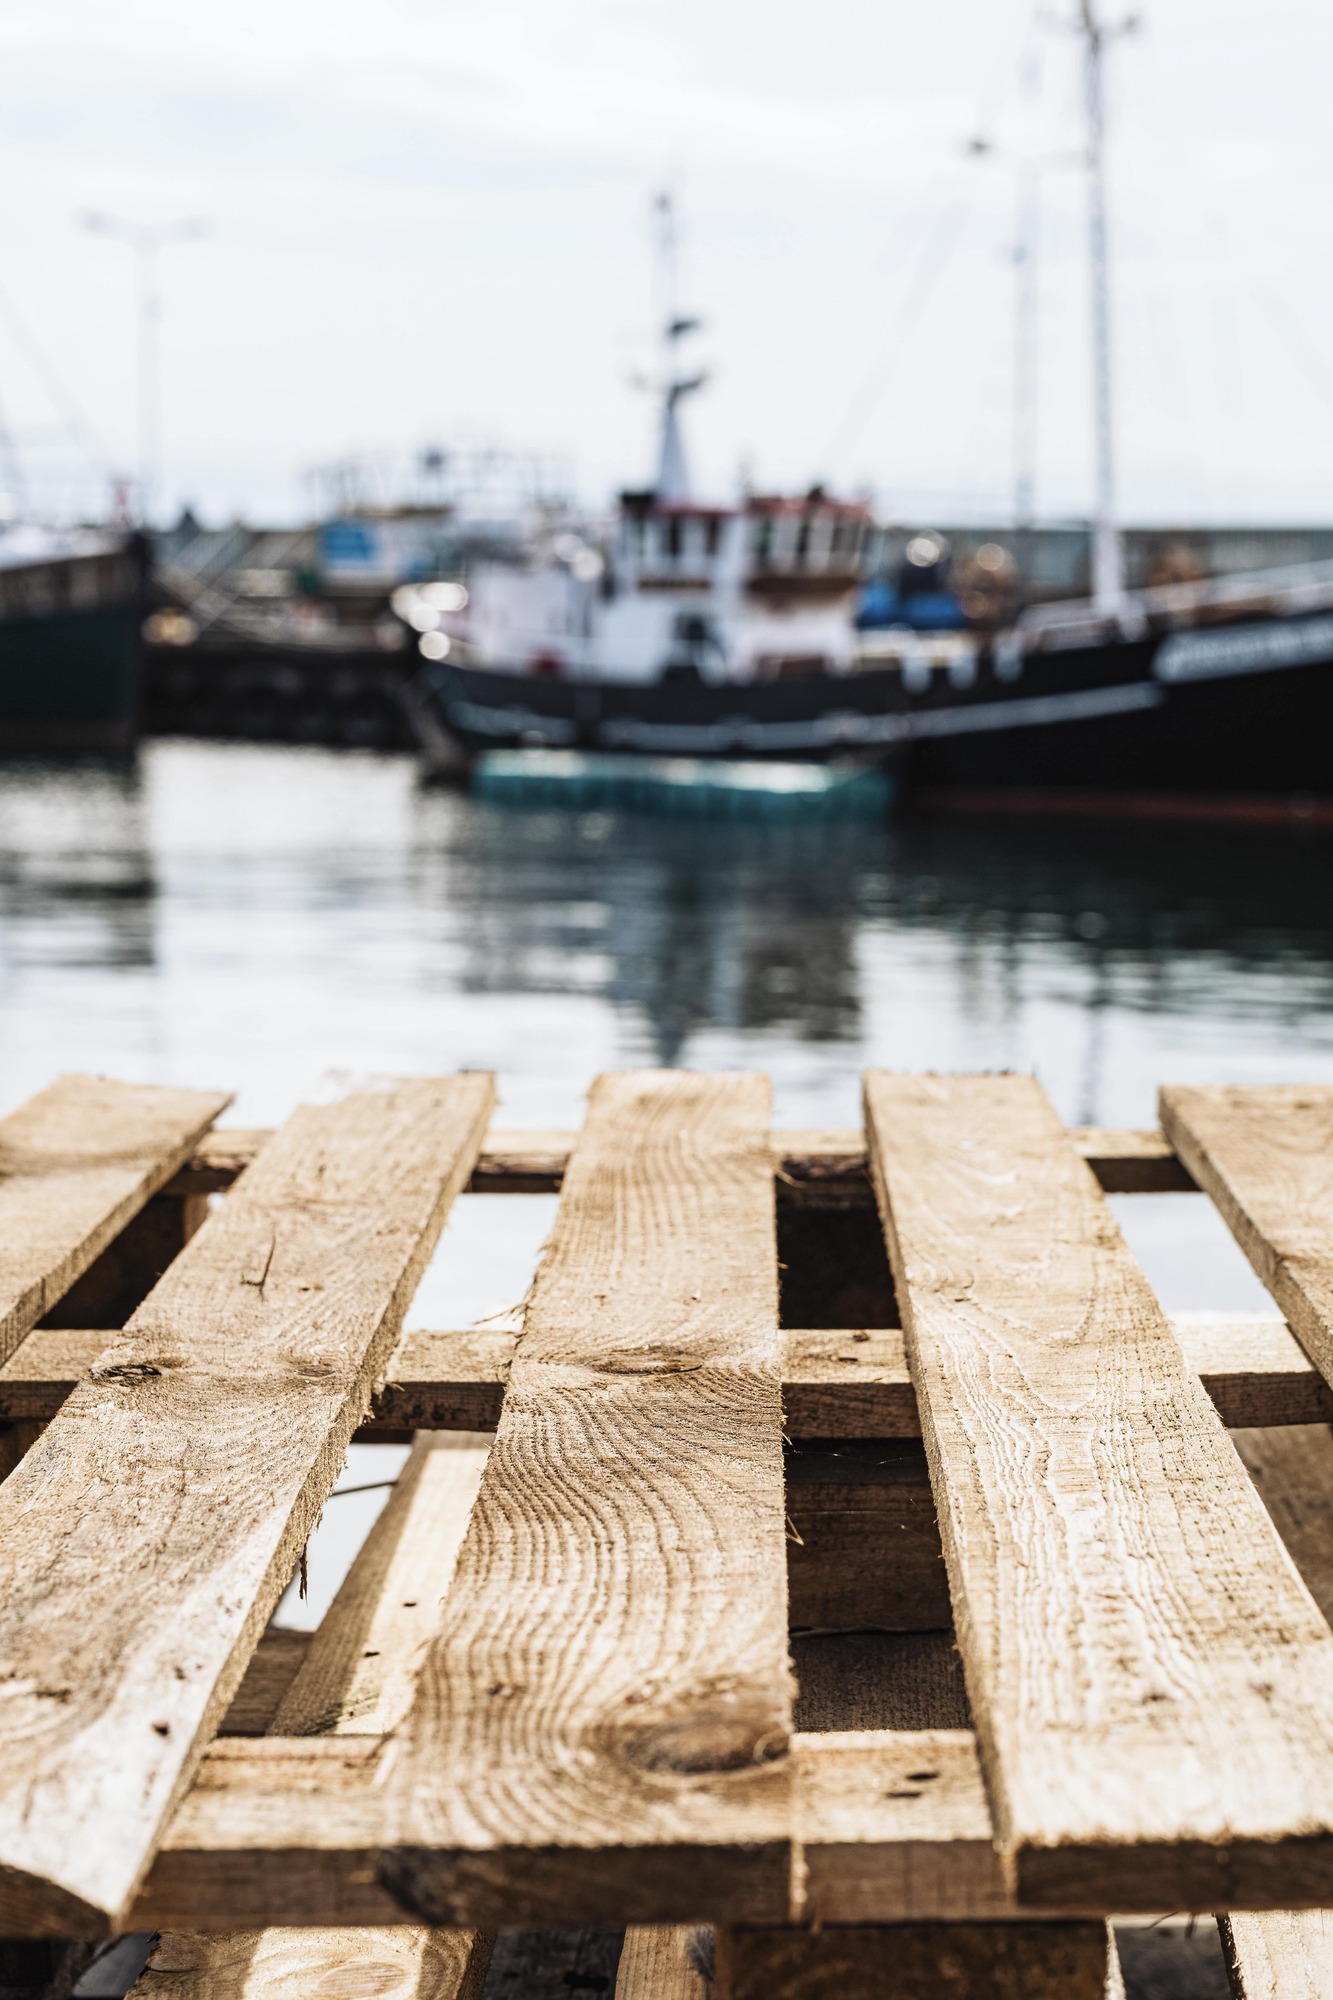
column 147, row 240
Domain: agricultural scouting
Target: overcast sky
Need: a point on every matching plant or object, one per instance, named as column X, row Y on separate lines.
column 430, row 223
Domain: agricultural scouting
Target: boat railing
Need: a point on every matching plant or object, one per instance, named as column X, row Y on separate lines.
column 1280, row 592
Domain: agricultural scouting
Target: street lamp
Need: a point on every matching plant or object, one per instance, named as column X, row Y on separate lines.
column 147, row 240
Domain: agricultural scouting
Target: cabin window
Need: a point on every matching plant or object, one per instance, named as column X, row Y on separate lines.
column 673, row 537
column 712, row 534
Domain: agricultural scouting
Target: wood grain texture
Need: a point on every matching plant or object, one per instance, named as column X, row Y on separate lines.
column 330, row 1964
column 77, row 1162
column 1007, row 1961
column 146, row 1537
column 1152, row 1684
column 355, row 1675
column 1265, row 1155
column 1280, row 1954
column 665, row 1962
column 613, row 1654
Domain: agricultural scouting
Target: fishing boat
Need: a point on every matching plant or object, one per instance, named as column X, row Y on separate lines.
column 744, row 633
column 72, row 601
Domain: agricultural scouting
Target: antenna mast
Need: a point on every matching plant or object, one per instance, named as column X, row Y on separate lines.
column 1108, row 570
column 673, row 480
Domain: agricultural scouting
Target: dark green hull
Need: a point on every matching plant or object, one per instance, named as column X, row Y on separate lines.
column 70, row 680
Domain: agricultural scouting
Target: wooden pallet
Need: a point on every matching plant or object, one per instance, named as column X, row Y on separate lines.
column 1053, row 1658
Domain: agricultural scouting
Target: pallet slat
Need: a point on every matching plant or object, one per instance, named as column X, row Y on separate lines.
column 809, row 1164
column 613, row 1653
column 1010, row 1961
column 282, row 1964
column 77, row 1162
column 287, row 1831
column 146, row 1537
column 852, row 1382
column 1288, row 1954
column 1265, row 1155
column 1280, row 1955
column 357, row 1674
column 664, row 1962
column 1152, row 1684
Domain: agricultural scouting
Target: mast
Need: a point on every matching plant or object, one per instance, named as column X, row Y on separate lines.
column 1108, row 572
column 1025, row 345
column 673, row 480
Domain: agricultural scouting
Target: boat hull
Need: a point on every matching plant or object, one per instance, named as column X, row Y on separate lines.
column 1239, row 710
column 70, row 681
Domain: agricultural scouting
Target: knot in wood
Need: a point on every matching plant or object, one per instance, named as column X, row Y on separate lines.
column 721, row 1727
column 647, row 1361
column 128, row 1373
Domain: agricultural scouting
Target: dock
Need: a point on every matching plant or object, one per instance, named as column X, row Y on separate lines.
column 842, row 1567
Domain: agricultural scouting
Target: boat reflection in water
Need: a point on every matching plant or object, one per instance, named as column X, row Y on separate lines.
column 209, row 910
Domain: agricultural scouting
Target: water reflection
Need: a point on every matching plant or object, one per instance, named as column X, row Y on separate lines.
column 76, row 878
column 689, row 925
column 248, row 917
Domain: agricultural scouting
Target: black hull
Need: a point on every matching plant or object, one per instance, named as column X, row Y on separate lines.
column 70, row 681
column 292, row 694
column 1241, row 711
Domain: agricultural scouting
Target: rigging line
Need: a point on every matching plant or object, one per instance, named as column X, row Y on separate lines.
column 82, row 432
column 931, row 266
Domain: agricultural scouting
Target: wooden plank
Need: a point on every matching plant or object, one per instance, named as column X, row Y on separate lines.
column 446, row 1381
column 1255, row 1370
column 356, row 1675
column 1006, row 1961
column 863, row 1547
column 838, row 1383
column 1279, row 1955
column 282, row 1964
column 1132, row 1162
column 219, row 1158
column 1288, row 1954
column 665, row 1962
column 288, row 1831
column 614, row 1650
column 146, row 1537
column 1265, row 1155
column 271, row 1670
column 1292, row 1470
column 1152, row 1684
column 811, row 1165
column 77, row 1162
